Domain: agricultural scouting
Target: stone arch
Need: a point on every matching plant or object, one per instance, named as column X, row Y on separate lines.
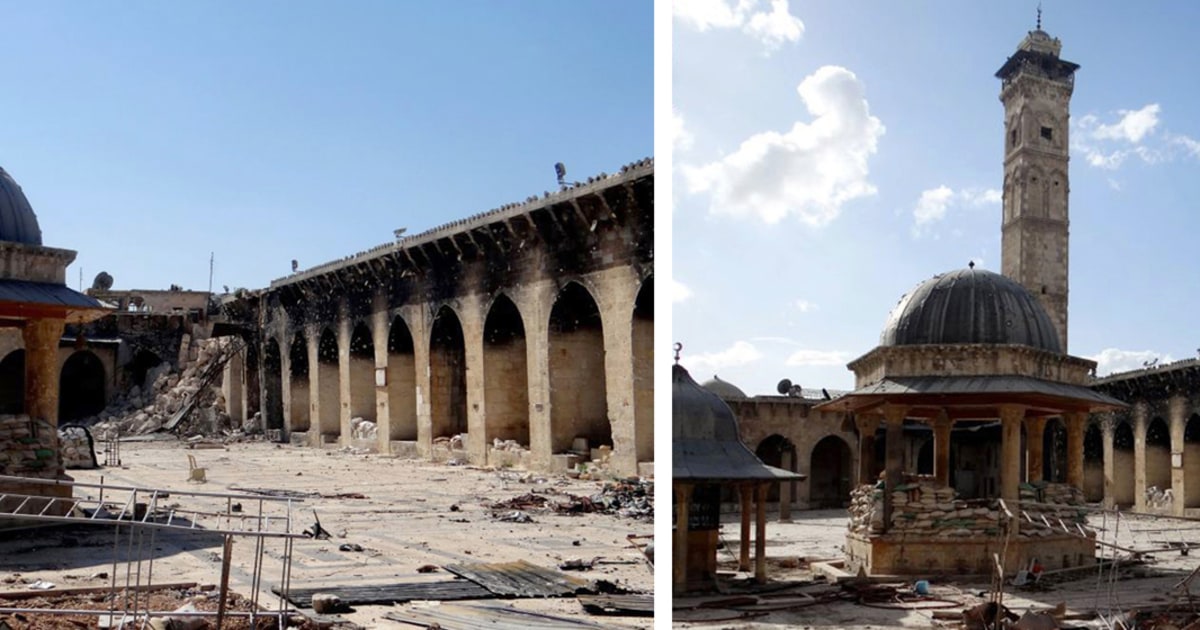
column 778, row 451
column 447, row 374
column 1054, row 451
column 1158, row 454
column 643, row 370
column 831, row 473
column 401, row 382
column 299, row 384
column 1123, row 464
column 578, row 388
column 505, row 373
column 1191, row 462
column 272, row 406
column 362, row 372
column 12, row 382
column 81, row 386
column 1093, row 463
column 329, row 396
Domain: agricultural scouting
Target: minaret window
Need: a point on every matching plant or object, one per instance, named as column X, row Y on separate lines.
column 1048, row 133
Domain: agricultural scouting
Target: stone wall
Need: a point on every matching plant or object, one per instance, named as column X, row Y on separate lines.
column 29, row 448
column 76, row 448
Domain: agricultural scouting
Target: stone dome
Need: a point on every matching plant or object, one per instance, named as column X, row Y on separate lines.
column 970, row 306
column 724, row 389
column 18, row 223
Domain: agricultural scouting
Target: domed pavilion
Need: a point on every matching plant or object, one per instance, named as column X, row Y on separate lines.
column 35, row 299
column 973, row 356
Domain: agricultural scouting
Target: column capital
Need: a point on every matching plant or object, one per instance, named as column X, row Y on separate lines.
column 867, row 423
column 895, row 414
column 942, row 420
column 1036, row 424
column 1012, row 413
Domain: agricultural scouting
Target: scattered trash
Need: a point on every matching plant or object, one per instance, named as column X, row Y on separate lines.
column 41, row 585
column 579, row 565
column 427, row 568
column 350, row 547
column 515, row 516
column 316, row 531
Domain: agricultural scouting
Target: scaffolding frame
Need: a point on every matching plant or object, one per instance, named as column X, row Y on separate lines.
column 143, row 512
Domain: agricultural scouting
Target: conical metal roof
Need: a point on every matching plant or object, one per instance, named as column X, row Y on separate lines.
column 18, row 223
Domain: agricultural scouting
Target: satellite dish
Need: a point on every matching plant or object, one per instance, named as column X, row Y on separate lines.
column 784, row 386
column 103, row 281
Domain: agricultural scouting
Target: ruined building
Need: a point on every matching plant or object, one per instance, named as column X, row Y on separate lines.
column 517, row 337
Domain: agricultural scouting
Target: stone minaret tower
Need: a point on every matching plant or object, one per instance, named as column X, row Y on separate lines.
column 1036, row 94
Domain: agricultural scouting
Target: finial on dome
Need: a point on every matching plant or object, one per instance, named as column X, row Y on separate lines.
column 1039, row 19
column 678, row 349
column 971, row 264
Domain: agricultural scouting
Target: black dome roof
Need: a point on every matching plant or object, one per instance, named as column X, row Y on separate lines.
column 18, row 223
column 970, row 306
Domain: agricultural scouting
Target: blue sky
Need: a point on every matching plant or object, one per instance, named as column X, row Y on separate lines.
column 149, row 134
column 829, row 156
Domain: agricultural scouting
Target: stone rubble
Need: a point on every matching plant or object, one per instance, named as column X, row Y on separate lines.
column 142, row 411
column 29, row 448
column 77, row 449
column 923, row 508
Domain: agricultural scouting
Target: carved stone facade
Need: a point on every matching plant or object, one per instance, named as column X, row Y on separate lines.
column 1036, row 94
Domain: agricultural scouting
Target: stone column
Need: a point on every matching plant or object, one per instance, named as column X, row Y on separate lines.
column 1108, row 435
column 786, row 488
column 472, row 327
column 867, row 425
column 316, row 424
column 760, row 534
column 417, row 317
column 744, row 495
column 1010, row 453
column 1139, row 456
column 383, row 412
column 285, row 387
column 683, row 493
column 231, row 388
column 41, row 368
column 1076, row 422
column 535, row 303
column 344, row 326
column 1177, row 412
column 941, row 448
column 894, row 468
column 1035, row 435
column 617, row 289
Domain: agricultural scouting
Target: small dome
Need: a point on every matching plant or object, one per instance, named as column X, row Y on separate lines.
column 970, row 306
column 724, row 389
column 699, row 413
column 18, row 223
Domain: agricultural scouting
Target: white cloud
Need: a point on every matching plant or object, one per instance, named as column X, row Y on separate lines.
column 809, row 171
column 804, row 306
column 681, row 138
column 1132, row 127
column 740, row 353
column 933, row 203
column 772, row 27
column 818, row 357
column 679, row 291
column 1110, row 360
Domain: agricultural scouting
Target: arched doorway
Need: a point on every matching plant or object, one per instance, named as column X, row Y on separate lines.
column 505, row 374
column 1054, row 451
column 298, row 371
column 401, row 382
column 643, row 371
column 1158, row 455
column 831, row 470
column 1123, row 469
column 12, row 383
column 1191, row 462
column 329, row 394
column 273, row 383
column 1093, row 463
column 81, row 387
column 362, row 373
column 447, row 375
column 778, row 451
column 578, row 384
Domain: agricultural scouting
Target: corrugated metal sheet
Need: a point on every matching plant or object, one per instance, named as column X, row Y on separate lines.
column 461, row 617
column 387, row 594
column 45, row 293
column 519, row 579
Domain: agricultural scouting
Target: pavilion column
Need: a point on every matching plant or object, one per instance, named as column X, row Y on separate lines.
column 786, row 488
column 1177, row 417
column 41, row 368
column 867, row 424
column 1076, row 422
column 760, row 534
column 941, row 448
column 679, row 570
column 1035, row 432
column 1108, row 432
column 1139, row 456
column 893, row 472
column 1010, row 453
column 744, row 495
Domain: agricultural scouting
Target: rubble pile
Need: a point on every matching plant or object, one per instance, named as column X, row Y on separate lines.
column 629, row 498
column 454, row 443
column 76, row 447
column 920, row 507
column 140, row 411
column 508, row 446
column 362, row 429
